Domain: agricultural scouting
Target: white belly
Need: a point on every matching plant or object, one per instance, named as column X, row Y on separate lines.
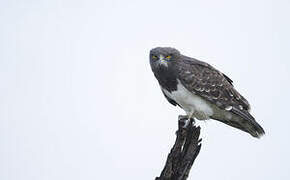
column 193, row 105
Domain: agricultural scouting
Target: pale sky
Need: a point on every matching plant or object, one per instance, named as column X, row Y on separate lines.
column 79, row 100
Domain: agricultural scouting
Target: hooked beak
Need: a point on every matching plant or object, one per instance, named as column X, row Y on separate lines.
column 162, row 60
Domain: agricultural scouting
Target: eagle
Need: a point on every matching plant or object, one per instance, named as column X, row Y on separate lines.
column 202, row 91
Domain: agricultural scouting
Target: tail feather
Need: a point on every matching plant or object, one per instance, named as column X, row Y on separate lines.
column 248, row 123
column 253, row 128
column 244, row 121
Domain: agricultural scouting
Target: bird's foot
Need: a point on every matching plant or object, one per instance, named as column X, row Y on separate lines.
column 192, row 121
column 183, row 120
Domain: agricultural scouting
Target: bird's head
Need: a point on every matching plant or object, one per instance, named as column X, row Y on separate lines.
column 163, row 56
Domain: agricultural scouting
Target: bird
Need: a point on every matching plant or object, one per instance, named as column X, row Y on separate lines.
column 201, row 90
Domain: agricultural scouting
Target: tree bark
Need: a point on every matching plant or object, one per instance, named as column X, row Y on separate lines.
column 183, row 153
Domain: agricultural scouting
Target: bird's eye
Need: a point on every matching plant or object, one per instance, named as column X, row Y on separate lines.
column 168, row 57
column 154, row 57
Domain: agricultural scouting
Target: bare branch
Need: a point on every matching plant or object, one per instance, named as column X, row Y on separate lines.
column 183, row 153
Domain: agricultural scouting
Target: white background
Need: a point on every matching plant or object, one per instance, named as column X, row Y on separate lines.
column 78, row 99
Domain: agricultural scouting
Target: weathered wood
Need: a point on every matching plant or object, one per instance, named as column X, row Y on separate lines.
column 183, row 153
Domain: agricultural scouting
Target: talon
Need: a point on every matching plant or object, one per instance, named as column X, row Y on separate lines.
column 192, row 121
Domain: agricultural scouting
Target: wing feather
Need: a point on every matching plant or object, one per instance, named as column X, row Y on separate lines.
column 211, row 84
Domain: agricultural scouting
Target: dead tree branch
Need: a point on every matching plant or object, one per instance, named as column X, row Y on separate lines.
column 183, row 153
